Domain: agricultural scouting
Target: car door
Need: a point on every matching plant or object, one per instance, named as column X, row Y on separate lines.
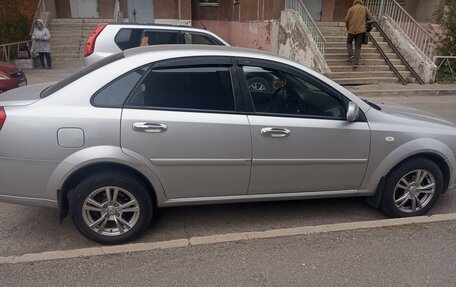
column 301, row 140
column 183, row 117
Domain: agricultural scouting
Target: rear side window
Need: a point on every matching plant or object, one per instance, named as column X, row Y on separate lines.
column 153, row 37
column 128, row 38
column 131, row 38
column 115, row 93
column 199, row 39
column 194, row 88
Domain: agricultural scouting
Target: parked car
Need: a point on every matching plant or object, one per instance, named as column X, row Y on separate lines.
column 108, row 39
column 11, row 77
column 177, row 125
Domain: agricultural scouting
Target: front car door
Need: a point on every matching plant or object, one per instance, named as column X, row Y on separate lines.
column 183, row 117
column 301, row 140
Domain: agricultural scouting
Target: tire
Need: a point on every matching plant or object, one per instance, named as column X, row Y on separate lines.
column 259, row 84
column 404, row 195
column 122, row 218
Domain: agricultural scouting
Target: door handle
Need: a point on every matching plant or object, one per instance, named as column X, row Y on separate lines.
column 150, row 127
column 275, row 132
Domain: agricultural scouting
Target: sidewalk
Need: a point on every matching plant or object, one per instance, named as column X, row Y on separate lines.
column 59, row 71
column 394, row 90
column 64, row 69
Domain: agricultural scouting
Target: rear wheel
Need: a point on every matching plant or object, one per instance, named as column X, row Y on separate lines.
column 111, row 207
column 412, row 188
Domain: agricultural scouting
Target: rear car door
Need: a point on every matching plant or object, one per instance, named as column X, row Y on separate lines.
column 183, row 117
column 301, row 140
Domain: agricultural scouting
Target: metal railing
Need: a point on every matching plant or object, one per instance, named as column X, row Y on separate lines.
column 413, row 30
column 8, row 51
column 117, row 13
column 449, row 62
column 309, row 24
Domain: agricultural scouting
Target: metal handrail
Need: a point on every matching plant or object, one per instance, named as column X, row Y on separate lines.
column 117, row 11
column 6, row 49
column 416, row 33
column 445, row 60
column 398, row 53
column 317, row 37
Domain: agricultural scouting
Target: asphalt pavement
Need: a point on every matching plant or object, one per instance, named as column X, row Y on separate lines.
column 412, row 255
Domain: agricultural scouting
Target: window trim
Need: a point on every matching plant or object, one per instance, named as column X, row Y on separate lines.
column 245, row 61
column 194, row 62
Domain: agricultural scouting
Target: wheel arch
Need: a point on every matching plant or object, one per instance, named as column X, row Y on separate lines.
column 436, row 158
column 64, row 193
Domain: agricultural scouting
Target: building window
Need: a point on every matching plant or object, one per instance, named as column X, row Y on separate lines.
column 208, row 2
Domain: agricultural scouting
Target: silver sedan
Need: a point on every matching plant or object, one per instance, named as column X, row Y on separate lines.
column 181, row 125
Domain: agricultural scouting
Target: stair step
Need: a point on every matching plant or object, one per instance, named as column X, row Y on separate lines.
column 330, row 24
column 366, row 81
column 369, row 49
column 343, row 39
column 344, row 61
column 362, row 74
column 65, row 57
column 364, row 56
column 365, row 68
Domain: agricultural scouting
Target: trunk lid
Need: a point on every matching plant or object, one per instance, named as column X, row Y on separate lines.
column 22, row 96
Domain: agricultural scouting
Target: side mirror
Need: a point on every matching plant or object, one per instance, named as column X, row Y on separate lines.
column 353, row 112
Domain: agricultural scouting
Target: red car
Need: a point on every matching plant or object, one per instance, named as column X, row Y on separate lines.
column 11, row 77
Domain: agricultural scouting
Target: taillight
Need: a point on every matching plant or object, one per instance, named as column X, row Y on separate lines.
column 90, row 45
column 2, row 117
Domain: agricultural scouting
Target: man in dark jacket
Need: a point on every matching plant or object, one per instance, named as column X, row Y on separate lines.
column 355, row 20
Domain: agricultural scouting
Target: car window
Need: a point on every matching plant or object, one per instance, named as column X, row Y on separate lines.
column 277, row 92
column 195, row 88
column 114, row 94
column 192, row 38
column 155, row 37
column 128, row 38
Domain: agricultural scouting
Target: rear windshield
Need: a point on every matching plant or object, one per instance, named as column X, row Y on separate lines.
column 81, row 73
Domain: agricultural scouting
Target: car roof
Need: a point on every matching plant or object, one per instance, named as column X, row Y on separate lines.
column 167, row 26
column 209, row 50
column 180, row 51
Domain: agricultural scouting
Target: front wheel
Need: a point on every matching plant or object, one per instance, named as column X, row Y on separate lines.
column 111, row 207
column 412, row 188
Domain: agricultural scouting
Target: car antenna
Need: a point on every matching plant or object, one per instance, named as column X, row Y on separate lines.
column 203, row 25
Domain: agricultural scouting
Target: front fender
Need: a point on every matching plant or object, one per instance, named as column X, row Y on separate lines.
column 100, row 154
column 377, row 169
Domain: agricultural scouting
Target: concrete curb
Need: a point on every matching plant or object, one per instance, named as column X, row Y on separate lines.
column 222, row 238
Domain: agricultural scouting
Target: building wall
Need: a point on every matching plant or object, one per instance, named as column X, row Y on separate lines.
column 246, row 10
column 260, row 35
column 423, row 10
column 173, row 9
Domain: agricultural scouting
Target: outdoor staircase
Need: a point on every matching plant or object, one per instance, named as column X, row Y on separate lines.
column 69, row 36
column 372, row 67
